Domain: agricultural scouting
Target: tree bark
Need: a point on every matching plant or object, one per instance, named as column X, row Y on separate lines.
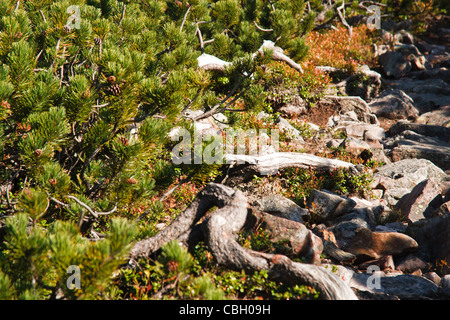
column 220, row 228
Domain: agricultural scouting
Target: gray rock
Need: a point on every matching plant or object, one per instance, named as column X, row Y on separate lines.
column 394, row 64
column 410, row 144
column 427, row 93
column 291, row 131
column 345, row 228
column 432, row 276
column 394, row 104
column 407, row 286
column 433, row 236
column 439, row 117
column 406, row 174
column 410, row 263
column 434, row 131
column 296, row 236
column 283, row 207
column 326, row 205
column 387, row 286
column 445, row 281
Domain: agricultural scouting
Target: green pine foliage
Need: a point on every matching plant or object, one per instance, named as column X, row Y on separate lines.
column 89, row 91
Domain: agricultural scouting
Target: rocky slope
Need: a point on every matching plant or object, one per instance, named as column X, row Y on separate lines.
column 395, row 242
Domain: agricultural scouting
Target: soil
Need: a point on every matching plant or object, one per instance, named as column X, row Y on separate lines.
column 320, row 113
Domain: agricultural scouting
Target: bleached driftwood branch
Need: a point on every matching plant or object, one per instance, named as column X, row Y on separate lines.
column 209, row 62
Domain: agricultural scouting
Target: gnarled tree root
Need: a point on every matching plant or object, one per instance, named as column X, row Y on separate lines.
column 219, row 229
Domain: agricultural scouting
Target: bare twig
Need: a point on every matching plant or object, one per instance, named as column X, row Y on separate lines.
column 342, row 17
column 42, row 15
column 217, row 106
column 123, row 14
column 262, row 29
column 101, row 105
column 91, row 211
column 200, row 39
column 184, row 18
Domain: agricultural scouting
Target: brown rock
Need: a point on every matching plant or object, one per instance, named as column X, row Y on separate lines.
column 432, row 276
column 386, row 262
column 299, row 238
column 374, row 245
column 423, row 200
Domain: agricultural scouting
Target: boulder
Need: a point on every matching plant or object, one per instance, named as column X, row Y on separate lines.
column 438, row 117
column 391, row 286
column 325, row 205
column 421, row 202
column 283, row 207
column 394, row 104
column 346, row 227
column 433, row 131
column 374, row 245
column 399, row 178
column 296, row 236
column 407, row 286
column 433, row 236
column 408, row 173
column 410, row 144
column 289, row 129
column 433, row 276
column 410, row 263
column 427, row 93
column 394, row 64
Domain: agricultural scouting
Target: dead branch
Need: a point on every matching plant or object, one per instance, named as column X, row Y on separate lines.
column 342, row 17
column 262, row 29
column 209, row 62
column 247, row 166
column 123, row 14
column 219, row 230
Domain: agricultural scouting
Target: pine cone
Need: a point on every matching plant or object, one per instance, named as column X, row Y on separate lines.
column 112, row 79
column 38, row 152
column 114, row 89
column 131, row 181
column 97, row 41
column 172, row 266
column 123, row 141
